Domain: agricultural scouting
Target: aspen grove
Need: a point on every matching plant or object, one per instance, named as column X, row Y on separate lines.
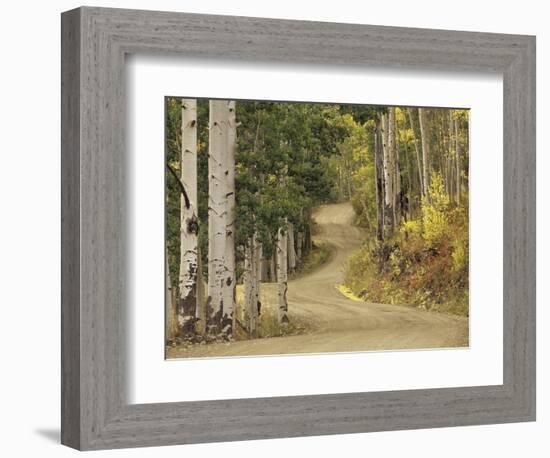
column 244, row 180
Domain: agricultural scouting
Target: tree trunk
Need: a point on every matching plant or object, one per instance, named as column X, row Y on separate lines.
column 170, row 312
column 219, row 320
column 406, row 197
column 395, row 171
column 273, row 265
column 449, row 175
column 458, row 153
column 258, row 252
column 299, row 242
column 418, row 161
column 379, row 177
column 229, row 291
column 425, row 152
column 189, row 261
column 291, row 249
column 249, row 284
column 200, row 314
column 282, row 276
column 387, row 145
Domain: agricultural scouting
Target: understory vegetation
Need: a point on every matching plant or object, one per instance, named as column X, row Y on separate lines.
column 425, row 264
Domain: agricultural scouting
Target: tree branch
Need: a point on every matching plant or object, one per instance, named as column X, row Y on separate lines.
column 180, row 185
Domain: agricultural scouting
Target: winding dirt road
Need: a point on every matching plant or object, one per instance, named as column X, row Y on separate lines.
column 341, row 324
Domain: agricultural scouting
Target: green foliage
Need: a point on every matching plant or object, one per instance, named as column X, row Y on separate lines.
column 283, row 170
column 354, row 166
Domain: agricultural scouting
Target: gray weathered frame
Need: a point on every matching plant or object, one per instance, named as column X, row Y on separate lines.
column 95, row 41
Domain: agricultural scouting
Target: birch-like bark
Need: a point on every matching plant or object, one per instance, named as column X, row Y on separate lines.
column 425, row 152
column 406, row 197
column 389, row 217
column 229, row 292
column 282, row 276
column 202, row 287
column 394, row 166
column 449, row 174
column 189, row 262
column 418, row 161
column 218, row 319
column 291, row 249
column 379, row 176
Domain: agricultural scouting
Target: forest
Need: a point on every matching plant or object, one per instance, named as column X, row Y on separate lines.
column 265, row 201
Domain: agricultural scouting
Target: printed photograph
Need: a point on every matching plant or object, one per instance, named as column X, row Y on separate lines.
column 307, row 228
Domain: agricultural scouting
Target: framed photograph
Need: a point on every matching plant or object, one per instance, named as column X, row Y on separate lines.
column 278, row 228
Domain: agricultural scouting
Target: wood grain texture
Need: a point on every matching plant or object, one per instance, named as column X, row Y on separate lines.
column 70, row 229
column 95, row 258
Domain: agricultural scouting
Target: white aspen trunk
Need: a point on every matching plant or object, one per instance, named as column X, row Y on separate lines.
column 418, row 161
column 282, row 276
column 170, row 312
column 217, row 211
column 425, row 152
column 458, row 152
column 201, row 299
column 229, row 292
column 291, row 249
column 387, row 145
column 379, row 179
column 189, row 261
column 388, row 192
column 392, row 154
column 449, row 157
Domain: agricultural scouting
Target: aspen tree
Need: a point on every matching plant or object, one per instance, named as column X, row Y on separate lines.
column 219, row 321
column 189, row 262
column 170, row 315
column 379, row 178
column 418, row 160
column 229, row 257
column 457, row 158
column 388, row 177
column 282, row 276
column 425, row 151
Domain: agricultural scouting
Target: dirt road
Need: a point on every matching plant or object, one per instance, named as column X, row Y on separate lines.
column 341, row 324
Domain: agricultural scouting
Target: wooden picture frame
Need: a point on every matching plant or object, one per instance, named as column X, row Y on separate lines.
column 95, row 413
